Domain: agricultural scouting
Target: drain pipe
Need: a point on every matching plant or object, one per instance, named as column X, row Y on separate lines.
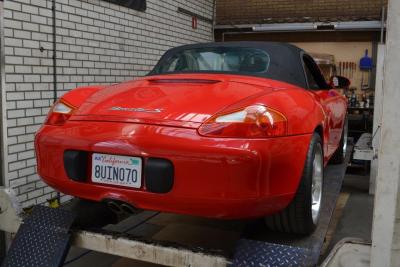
column 214, row 20
column 54, row 52
column 383, row 21
column 58, row 197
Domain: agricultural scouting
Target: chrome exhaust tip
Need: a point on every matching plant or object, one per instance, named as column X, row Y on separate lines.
column 128, row 208
column 115, row 207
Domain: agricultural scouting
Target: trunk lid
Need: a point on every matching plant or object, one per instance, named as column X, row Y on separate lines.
column 179, row 100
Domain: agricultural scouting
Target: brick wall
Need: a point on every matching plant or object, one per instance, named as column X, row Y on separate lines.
column 97, row 43
column 269, row 11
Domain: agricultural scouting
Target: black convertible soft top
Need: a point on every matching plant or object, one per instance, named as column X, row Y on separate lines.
column 286, row 62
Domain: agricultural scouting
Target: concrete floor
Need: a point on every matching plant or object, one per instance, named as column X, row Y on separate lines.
column 356, row 220
column 352, row 218
column 356, row 216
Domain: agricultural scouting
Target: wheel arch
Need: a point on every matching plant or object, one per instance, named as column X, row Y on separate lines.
column 320, row 130
column 324, row 139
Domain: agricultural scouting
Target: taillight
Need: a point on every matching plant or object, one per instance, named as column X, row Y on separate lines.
column 255, row 121
column 59, row 113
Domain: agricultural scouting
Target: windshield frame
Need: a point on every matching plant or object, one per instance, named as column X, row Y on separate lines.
column 285, row 61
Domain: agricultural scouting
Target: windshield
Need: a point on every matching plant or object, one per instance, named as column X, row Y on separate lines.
column 215, row 59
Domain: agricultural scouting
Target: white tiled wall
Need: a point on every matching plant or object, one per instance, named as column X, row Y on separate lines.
column 97, row 43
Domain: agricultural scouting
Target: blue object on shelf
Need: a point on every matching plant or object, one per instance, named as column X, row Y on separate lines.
column 366, row 62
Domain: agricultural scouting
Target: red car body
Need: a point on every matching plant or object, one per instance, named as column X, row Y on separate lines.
column 221, row 177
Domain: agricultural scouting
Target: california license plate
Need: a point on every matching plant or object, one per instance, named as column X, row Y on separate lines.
column 117, row 170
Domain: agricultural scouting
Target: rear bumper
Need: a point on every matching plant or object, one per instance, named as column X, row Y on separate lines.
column 222, row 178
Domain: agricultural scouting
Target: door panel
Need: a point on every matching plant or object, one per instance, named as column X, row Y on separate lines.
column 334, row 106
column 332, row 102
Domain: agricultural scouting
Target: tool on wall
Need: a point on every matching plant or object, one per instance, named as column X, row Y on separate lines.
column 351, row 69
column 350, row 66
column 346, row 69
column 366, row 62
column 366, row 67
column 355, row 66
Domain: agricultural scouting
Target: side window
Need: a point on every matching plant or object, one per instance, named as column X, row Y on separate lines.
column 314, row 77
column 312, row 84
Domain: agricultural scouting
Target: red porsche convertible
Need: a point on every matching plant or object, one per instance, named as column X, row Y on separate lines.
column 222, row 130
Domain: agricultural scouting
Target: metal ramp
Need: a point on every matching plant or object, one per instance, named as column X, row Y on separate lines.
column 42, row 240
column 254, row 245
column 307, row 247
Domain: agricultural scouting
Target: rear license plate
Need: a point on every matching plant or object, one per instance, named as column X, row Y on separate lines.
column 117, row 170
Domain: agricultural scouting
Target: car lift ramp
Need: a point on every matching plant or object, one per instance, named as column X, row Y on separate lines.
column 44, row 237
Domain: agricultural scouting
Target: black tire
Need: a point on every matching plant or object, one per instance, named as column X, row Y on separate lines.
column 297, row 217
column 340, row 153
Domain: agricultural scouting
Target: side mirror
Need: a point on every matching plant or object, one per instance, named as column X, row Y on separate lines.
column 339, row 82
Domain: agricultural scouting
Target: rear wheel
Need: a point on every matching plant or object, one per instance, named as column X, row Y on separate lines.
column 340, row 153
column 302, row 214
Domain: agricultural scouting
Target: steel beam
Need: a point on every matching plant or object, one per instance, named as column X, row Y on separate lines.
column 374, row 25
column 386, row 222
column 146, row 251
column 377, row 116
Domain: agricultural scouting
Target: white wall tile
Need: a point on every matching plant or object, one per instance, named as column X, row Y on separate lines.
column 97, row 42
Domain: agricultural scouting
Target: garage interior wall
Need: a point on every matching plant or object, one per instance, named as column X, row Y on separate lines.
column 97, row 43
column 343, row 52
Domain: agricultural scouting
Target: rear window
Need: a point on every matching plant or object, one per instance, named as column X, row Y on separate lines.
column 215, row 59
